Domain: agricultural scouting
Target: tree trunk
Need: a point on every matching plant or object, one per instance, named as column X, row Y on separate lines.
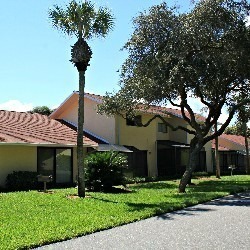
column 195, row 148
column 217, row 157
column 80, row 156
column 247, row 149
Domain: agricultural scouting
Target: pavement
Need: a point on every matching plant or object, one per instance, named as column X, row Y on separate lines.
column 219, row 224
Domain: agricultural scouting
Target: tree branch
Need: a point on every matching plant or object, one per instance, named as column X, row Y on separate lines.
column 174, row 104
column 140, row 124
column 226, row 123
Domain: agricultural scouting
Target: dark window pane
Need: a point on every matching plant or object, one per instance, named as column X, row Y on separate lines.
column 45, row 161
column 162, row 128
column 63, row 165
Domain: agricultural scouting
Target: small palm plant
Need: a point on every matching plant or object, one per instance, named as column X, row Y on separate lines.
column 105, row 170
column 82, row 20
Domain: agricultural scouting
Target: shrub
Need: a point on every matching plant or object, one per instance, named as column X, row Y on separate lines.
column 105, row 170
column 21, row 181
column 200, row 174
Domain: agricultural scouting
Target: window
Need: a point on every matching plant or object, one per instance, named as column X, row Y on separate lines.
column 162, row 127
column 56, row 162
column 63, row 165
column 133, row 121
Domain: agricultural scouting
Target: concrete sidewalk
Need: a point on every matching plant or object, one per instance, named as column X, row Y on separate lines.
column 219, row 224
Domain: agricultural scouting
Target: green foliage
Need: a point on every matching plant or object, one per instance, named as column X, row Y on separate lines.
column 43, row 110
column 104, row 170
column 200, row 174
column 237, row 129
column 82, row 19
column 31, row 219
column 133, row 180
column 173, row 57
column 21, row 180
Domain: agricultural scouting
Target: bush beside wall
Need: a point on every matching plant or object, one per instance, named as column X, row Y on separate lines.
column 22, row 181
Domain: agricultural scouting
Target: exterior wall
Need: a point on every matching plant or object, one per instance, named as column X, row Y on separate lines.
column 71, row 113
column 209, row 158
column 100, row 125
column 16, row 158
column 145, row 139
column 179, row 135
column 68, row 109
column 160, row 135
column 139, row 137
column 115, row 131
column 24, row 158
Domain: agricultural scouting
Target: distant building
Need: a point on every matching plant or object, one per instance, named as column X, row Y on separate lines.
column 232, row 152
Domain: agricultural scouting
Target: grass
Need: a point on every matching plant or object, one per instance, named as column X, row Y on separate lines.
column 30, row 219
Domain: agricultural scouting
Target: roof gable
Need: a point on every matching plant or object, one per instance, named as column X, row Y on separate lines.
column 236, row 139
column 153, row 109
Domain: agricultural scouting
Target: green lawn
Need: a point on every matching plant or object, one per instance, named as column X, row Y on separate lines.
column 33, row 218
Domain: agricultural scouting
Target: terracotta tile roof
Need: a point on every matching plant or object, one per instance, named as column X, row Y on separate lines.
column 163, row 111
column 220, row 148
column 153, row 109
column 234, row 138
column 237, row 139
column 22, row 127
column 97, row 98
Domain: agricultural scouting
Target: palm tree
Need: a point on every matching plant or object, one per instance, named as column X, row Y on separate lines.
column 82, row 20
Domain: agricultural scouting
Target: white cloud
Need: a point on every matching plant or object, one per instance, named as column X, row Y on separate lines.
column 248, row 21
column 55, row 106
column 15, row 105
column 223, row 117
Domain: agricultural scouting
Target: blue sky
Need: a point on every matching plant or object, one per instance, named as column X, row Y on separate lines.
column 34, row 66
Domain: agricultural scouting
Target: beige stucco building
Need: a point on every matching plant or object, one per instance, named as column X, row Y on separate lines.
column 36, row 143
column 157, row 142
column 232, row 153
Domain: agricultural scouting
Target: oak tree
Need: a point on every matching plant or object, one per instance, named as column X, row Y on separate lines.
column 203, row 53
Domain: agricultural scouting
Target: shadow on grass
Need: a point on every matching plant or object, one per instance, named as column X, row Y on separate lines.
column 215, row 186
column 156, row 185
column 164, row 210
column 114, row 190
column 168, row 211
column 242, row 199
column 184, row 204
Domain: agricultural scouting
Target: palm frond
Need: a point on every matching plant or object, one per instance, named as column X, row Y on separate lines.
column 60, row 20
column 104, row 22
column 82, row 19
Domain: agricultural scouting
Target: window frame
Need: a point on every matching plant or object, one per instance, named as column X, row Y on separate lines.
column 54, row 162
column 160, row 125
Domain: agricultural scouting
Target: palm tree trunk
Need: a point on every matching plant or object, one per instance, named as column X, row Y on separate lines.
column 217, row 157
column 80, row 156
column 247, row 149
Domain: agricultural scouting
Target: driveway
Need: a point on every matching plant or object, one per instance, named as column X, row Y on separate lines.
column 219, row 224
